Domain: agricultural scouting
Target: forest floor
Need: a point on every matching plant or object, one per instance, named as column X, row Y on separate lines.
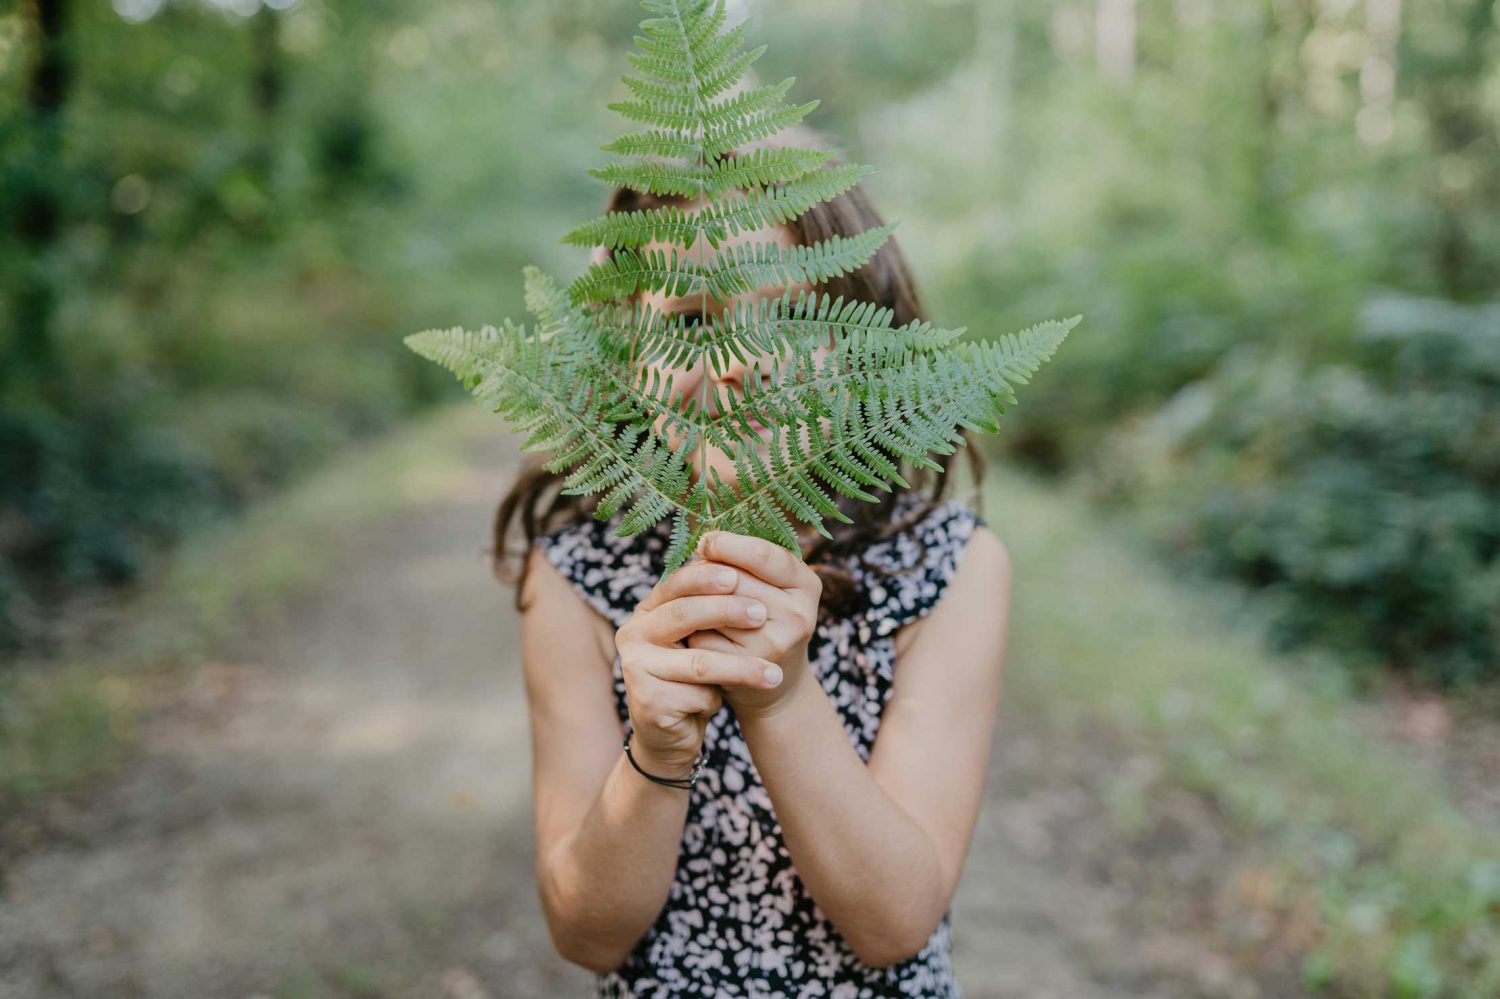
column 337, row 801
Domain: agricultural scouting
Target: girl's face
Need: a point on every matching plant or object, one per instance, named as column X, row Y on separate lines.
column 689, row 382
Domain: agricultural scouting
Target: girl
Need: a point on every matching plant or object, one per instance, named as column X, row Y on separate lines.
column 810, row 858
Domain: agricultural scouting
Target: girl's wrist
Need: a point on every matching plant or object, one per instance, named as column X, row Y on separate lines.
column 672, row 766
column 802, row 688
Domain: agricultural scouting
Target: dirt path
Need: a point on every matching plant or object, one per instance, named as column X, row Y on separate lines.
column 344, row 810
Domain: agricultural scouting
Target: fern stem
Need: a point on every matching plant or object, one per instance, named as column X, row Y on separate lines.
column 698, row 114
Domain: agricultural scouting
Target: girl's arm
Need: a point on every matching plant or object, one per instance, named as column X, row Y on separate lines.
column 881, row 847
column 607, row 838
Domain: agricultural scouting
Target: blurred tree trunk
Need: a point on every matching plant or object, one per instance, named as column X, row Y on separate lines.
column 39, row 202
column 267, row 87
column 995, row 74
column 1114, row 39
column 1377, row 77
column 1267, row 213
column 1467, row 147
column 346, row 136
column 1278, row 81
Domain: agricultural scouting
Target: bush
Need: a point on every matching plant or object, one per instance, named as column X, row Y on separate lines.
column 87, row 495
column 1362, row 495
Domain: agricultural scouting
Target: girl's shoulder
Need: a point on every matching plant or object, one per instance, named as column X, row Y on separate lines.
column 904, row 575
column 612, row 573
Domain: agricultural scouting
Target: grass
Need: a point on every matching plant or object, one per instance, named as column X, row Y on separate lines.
column 66, row 721
column 1403, row 889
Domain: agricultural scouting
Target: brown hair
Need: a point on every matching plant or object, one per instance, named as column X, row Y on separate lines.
column 886, row 280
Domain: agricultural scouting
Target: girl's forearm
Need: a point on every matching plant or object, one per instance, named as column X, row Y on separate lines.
column 870, row 866
column 606, row 882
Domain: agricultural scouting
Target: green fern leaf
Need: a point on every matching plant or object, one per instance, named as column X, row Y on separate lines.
column 748, row 267
column 850, row 399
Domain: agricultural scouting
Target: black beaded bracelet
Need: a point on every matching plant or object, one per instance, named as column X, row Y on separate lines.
column 686, row 783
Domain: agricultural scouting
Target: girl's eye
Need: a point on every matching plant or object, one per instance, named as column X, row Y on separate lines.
column 691, row 318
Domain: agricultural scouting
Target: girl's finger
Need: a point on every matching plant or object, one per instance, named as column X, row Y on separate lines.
column 780, row 605
column 677, row 699
column 715, row 640
column 699, row 577
column 676, row 619
column 747, row 585
column 761, row 558
column 675, row 708
column 705, row 666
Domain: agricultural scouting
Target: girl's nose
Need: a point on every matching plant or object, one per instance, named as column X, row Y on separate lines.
column 735, row 373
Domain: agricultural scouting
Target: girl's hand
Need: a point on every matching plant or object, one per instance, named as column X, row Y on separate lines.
column 788, row 588
column 671, row 690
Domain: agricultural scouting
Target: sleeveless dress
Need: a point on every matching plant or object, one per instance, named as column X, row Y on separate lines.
column 738, row 920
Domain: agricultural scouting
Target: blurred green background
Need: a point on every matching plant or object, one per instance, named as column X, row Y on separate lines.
column 1280, row 219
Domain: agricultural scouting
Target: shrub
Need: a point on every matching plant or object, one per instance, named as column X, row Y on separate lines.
column 1363, row 496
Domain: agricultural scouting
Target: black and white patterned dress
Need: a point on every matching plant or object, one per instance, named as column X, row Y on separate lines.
column 738, row 920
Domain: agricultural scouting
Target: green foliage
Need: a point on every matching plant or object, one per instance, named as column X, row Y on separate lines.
column 1265, row 175
column 1361, row 496
column 217, row 291
column 840, row 423
column 1347, row 834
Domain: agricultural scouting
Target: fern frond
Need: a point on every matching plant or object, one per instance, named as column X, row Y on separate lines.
column 909, row 411
column 715, row 84
column 683, row 45
column 654, row 176
column 668, row 114
column 761, row 168
column 629, row 271
column 837, row 401
column 758, row 168
column 755, row 210
column 712, row 54
column 633, row 331
column 518, row 377
column 544, row 299
column 727, row 113
column 737, row 133
column 668, row 224
column 778, row 325
column 749, row 266
column 786, row 202
column 655, row 142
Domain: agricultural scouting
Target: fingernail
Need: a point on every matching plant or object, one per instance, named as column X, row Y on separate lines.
column 726, row 577
column 773, row 675
column 756, row 613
